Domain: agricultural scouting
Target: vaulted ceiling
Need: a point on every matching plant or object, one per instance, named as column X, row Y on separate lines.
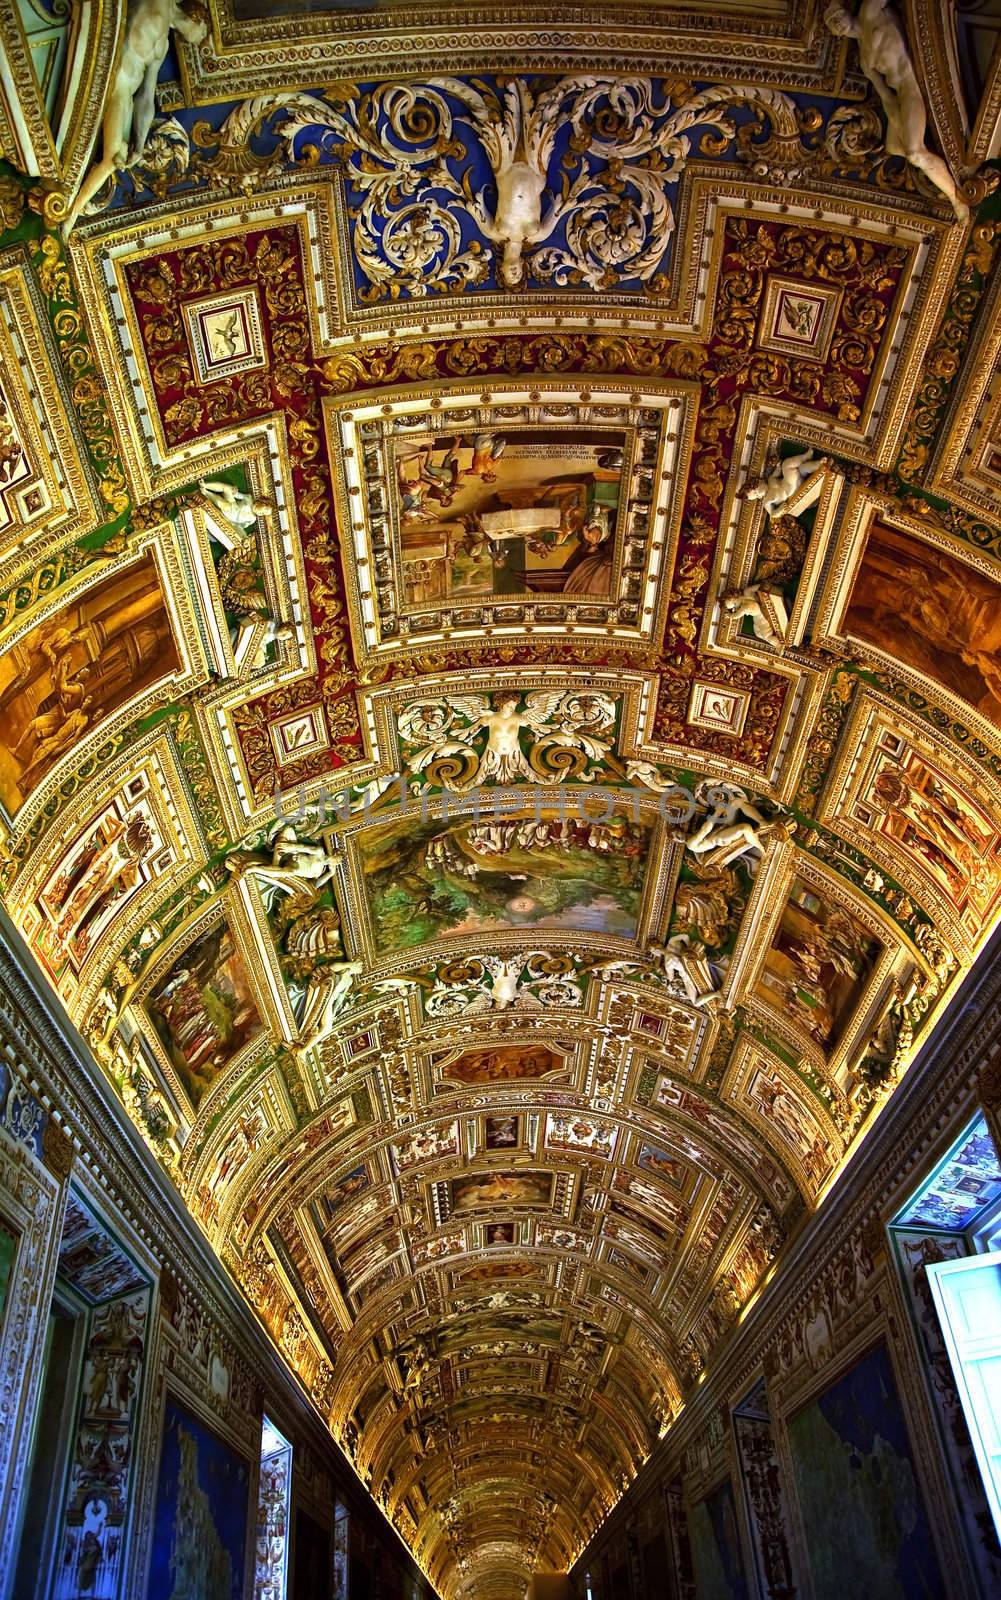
column 500, row 608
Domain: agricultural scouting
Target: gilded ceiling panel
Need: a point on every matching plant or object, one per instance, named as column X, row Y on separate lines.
column 500, row 749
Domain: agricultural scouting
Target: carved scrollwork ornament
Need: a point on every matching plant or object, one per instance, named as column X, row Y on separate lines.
column 989, row 1086
column 57, row 1149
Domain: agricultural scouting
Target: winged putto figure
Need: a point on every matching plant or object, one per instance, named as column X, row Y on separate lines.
column 541, row 737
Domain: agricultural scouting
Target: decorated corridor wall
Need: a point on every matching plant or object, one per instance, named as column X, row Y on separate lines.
column 830, row 1441
column 139, row 1476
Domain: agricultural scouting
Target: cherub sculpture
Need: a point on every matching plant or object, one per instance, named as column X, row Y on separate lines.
column 784, row 479
column 884, row 59
column 327, row 994
column 131, row 103
column 518, row 146
column 766, row 609
column 685, row 966
column 639, row 770
column 301, row 858
column 252, row 637
column 519, row 135
column 239, row 512
column 512, row 979
column 419, row 1365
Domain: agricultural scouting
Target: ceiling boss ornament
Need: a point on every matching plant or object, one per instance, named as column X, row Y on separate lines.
column 573, row 179
column 543, row 737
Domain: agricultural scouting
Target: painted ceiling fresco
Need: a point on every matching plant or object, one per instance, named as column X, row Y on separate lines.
column 500, row 678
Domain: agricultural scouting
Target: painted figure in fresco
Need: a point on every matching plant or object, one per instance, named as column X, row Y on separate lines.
column 243, row 1142
column 131, row 104
column 773, row 1100
column 69, row 672
column 936, row 822
column 938, row 614
column 414, row 493
column 784, row 479
column 54, row 641
column 504, row 514
column 107, row 873
column 224, row 336
column 441, row 480
column 817, row 963
column 203, row 1010
column 766, row 609
column 487, row 451
column 238, row 510
column 51, row 733
column 502, row 1132
column 884, row 59
column 799, row 314
column 592, row 572
column 882, row 1052
column 12, row 456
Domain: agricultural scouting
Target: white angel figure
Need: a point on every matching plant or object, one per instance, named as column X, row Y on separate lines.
column 506, row 976
column 303, row 858
column 734, row 824
column 506, row 989
column 473, row 997
column 784, row 479
column 766, row 609
column 327, row 995
column 649, row 774
column 574, row 721
column 238, row 510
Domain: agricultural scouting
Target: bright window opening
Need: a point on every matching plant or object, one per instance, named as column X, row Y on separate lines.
column 271, row 1582
column 342, row 1551
column 967, row 1295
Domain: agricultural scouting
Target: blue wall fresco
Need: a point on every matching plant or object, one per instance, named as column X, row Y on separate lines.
column 716, row 1552
column 202, row 1507
column 859, row 1498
